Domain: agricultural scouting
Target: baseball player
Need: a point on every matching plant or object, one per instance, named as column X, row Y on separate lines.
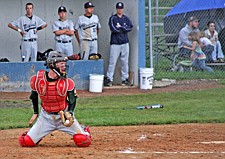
column 58, row 97
column 28, row 26
column 119, row 25
column 64, row 31
column 87, row 28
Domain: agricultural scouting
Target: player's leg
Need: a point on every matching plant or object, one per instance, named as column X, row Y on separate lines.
column 124, row 61
column 59, row 47
column 85, row 49
column 81, row 134
column 34, row 51
column 22, row 52
column 114, row 55
column 43, row 126
column 26, row 50
column 93, row 47
column 69, row 49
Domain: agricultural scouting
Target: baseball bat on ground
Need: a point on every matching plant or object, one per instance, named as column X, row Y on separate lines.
column 141, row 107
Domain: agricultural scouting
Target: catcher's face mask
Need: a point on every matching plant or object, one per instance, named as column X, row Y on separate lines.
column 57, row 62
column 61, row 67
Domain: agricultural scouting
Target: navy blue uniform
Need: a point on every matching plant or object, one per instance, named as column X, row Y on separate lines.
column 119, row 34
column 119, row 45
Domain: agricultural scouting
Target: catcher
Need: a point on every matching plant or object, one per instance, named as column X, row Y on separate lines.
column 58, row 102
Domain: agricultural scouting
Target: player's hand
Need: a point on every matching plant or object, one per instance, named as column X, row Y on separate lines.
column 67, row 30
column 118, row 25
column 123, row 28
column 22, row 33
column 32, row 119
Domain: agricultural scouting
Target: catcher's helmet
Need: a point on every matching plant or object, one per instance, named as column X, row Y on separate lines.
column 54, row 57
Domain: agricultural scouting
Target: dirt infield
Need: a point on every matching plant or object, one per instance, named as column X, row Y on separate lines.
column 194, row 141
column 189, row 141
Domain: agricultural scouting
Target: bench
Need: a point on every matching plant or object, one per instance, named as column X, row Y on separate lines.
column 218, row 65
column 181, row 63
column 162, row 48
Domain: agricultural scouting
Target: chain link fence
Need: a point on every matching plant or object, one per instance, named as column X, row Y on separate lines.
column 168, row 60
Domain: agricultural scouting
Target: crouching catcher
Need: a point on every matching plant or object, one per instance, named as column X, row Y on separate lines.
column 58, row 101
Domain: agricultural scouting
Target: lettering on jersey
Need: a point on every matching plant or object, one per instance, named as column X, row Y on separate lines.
column 91, row 25
column 28, row 27
column 65, row 27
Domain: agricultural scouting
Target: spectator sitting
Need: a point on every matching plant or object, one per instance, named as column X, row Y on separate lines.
column 198, row 57
column 183, row 39
column 207, row 46
column 212, row 35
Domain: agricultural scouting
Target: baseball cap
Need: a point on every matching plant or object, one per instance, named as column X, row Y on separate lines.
column 192, row 18
column 62, row 9
column 119, row 5
column 88, row 5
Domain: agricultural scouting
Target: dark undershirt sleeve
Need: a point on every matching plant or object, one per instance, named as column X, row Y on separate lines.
column 72, row 97
column 34, row 98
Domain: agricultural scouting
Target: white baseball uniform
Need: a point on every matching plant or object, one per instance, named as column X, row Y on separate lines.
column 87, row 29
column 29, row 40
column 52, row 122
column 63, row 43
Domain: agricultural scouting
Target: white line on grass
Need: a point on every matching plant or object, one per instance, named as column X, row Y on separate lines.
column 131, row 151
column 179, row 152
column 212, row 142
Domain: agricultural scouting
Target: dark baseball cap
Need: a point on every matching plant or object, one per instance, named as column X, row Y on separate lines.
column 192, row 18
column 88, row 5
column 119, row 5
column 62, row 9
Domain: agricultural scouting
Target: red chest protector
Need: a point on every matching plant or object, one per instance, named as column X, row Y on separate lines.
column 53, row 94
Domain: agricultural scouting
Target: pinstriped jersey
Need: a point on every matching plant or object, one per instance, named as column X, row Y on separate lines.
column 61, row 25
column 28, row 26
column 87, row 27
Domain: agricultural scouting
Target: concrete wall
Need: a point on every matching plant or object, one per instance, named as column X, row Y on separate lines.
column 15, row 76
column 105, row 10
column 47, row 10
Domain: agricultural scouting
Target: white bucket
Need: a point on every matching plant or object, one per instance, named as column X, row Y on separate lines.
column 96, row 82
column 146, row 78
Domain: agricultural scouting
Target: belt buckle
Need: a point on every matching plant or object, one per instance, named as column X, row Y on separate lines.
column 31, row 40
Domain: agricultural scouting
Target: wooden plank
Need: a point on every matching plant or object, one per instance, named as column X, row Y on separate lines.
column 215, row 64
column 163, row 35
column 162, row 8
column 156, row 16
column 155, row 24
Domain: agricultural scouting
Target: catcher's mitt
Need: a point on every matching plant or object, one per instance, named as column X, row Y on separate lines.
column 66, row 118
column 94, row 56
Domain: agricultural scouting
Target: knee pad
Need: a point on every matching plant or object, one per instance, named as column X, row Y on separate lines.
column 26, row 141
column 82, row 140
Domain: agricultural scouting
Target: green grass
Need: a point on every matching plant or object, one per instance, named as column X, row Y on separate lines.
column 180, row 107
